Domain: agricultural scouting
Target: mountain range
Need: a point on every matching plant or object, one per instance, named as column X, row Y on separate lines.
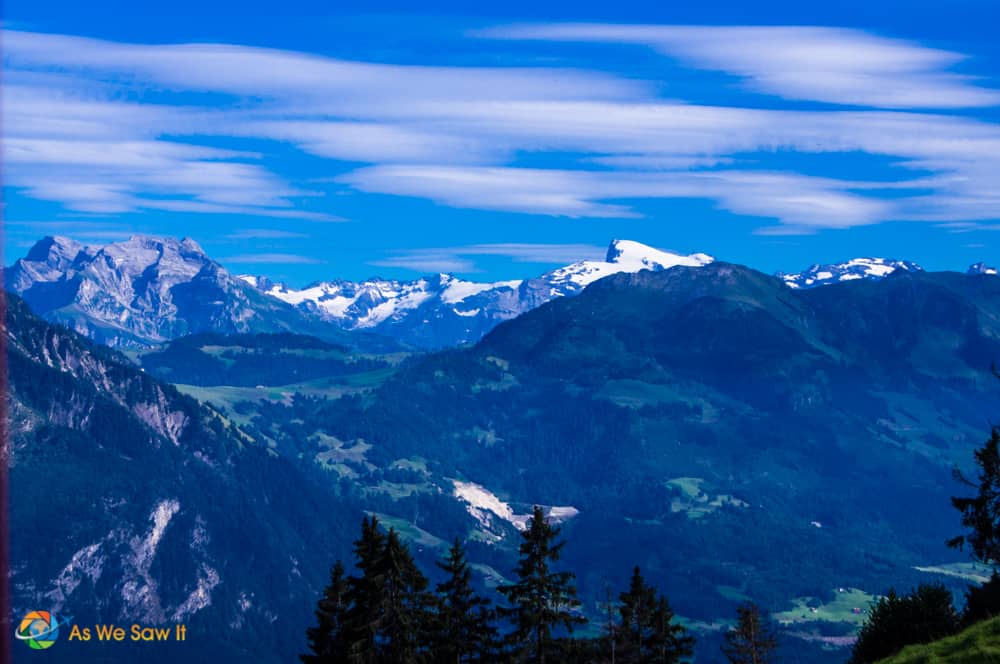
column 732, row 435
column 147, row 290
column 442, row 310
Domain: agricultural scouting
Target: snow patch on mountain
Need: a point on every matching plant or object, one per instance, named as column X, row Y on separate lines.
column 981, row 268
column 457, row 290
column 622, row 256
column 370, row 303
column 857, row 268
column 560, row 514
column 147, row 290
column 443, row 310
column 484, row 506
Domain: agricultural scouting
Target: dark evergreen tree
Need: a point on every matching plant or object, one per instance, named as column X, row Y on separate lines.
column 670, row 642
column 327, row 639
column 753, row 640
column 464, row 630
column 981, row 513
column 406, row 606
column 925, row 615
column 648, row 632
column 366, row 594
column 982, row 602
column 609, row 641
column 542, row 600
column 636, row 609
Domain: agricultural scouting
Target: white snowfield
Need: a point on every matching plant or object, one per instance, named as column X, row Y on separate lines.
column 856, row 268
column 624, row 256
column 370, row 303
column 484, row 505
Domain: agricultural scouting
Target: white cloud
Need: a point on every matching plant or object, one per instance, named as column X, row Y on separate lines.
column 797, row 200
column 288, row 76
column 456, row 259
column 535, row 253
column 283, row 259
column 373, row 141
column 834, row 65
column 265, row 234
column 75, row 134
column 83, row 230
column 428, row 260
column 107, row 156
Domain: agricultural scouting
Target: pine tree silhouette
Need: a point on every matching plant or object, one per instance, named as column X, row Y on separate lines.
column 464, row 631
column 753, row 640
column 327, row 639
column 542, row 600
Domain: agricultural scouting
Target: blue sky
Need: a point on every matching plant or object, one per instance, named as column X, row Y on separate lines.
column 308, row 140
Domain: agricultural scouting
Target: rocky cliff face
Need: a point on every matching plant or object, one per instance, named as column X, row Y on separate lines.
column 132, row 503
column 143, row 291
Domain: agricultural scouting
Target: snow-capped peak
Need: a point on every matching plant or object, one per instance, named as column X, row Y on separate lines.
column 461, row 311
column 981, row 268
column 623, row 256
column 856, row 268
column 629, row 253
column 457, row 290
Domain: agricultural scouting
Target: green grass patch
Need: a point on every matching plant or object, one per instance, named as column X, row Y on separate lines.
column 732, row 593
column 337, row 451
column 416, row 536
column 491, row 577
column 979, row 644
column 693, row 500
column 399, row 490
column 227, row 396
column 636, row 393
column 416, row 464
column 850, row 606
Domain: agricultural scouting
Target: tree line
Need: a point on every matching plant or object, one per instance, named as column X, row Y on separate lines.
column 387, row 613
column 927, row 613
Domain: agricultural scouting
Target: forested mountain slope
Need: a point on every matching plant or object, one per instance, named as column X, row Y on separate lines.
column 732, row 436
column 132, row 503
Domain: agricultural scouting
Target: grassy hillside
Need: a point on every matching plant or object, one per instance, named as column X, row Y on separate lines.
column 980, row 644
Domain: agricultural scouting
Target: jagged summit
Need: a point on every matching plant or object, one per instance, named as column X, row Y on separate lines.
column 142, row 291
column 55, row 249
column 981, row 268
column 148, row 289
column 856, row 268
column 444, row 310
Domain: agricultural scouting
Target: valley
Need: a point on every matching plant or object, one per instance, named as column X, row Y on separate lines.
column 731, row 435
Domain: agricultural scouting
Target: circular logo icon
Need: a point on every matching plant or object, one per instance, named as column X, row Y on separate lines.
column 39, row 629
